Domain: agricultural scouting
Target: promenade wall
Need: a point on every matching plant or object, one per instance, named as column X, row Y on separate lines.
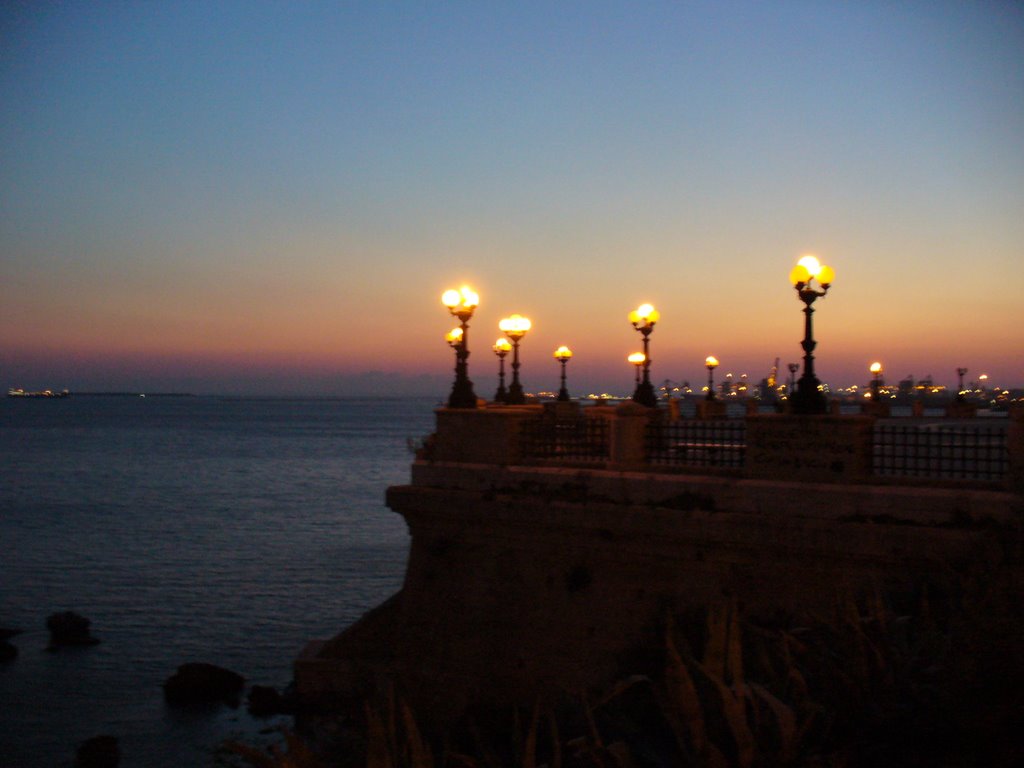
column 533, row 577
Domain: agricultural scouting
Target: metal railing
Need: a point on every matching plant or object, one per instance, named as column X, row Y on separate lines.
column 579, row 439
column 968, row 451
column 940, row 451
column 696, row 443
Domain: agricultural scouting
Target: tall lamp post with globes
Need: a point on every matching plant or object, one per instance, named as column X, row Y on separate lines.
column 501, row 348
column 454, row 339
column 562, row 355
column 461, row 304
column 637, row 360
column 960, row 372
column 643, row 319
column 515, row 327
column 711, row 362
column 809, row 399
column 876, row 380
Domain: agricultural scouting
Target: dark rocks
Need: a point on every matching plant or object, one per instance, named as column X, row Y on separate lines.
column 200, row 683
column 67, row 629
column 265, row 701
column 98, row 752
column 8, row 652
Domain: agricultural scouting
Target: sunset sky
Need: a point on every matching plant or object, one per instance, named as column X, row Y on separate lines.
column 270, row 197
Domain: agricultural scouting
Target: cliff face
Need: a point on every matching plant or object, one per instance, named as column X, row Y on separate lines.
column 523, row 580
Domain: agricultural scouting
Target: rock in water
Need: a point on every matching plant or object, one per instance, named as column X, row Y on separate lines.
column 98, row 752
column 200, row 683
column 68, row 628
column 8, row 652
column 265, row 701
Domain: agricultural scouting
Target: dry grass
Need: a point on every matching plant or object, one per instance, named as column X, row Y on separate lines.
column 928, row 679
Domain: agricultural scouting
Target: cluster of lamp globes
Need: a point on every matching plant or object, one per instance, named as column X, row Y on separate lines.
column 462, row 301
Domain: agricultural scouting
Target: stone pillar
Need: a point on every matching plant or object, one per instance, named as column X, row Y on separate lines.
column 480, row 435
column 711, row 409
column 673, row 409
column 628, row 449
column 960, row 409
column 1015, row 448
column 562, row 410
column 877, row 408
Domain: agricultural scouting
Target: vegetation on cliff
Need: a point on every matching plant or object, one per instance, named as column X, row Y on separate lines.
column 930, row 678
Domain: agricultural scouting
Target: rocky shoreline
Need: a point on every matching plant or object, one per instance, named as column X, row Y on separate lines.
column 193, row 686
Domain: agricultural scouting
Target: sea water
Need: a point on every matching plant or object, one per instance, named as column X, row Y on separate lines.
column 222, row 530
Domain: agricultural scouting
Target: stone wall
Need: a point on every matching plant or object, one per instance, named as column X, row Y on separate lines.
column 523, row 581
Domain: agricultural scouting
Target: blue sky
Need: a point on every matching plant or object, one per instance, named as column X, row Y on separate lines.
column 272, row 196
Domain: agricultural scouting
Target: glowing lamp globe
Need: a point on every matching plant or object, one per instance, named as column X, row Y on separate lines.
column 645, row 314
column 515, row 326
column 810, row 263
column 799, row 275
column 463, row 298
column 563, row 353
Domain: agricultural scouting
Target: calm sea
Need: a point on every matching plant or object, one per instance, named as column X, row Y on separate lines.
column 187, row 529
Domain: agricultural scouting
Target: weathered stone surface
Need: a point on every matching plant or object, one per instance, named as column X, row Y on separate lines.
column 69, row 628
column 98, row 752
column 201, row 683
column 516, row 586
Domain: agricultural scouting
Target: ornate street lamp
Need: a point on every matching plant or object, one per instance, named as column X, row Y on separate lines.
column 501, row 348
column 793, row 368
column 960, row 387
column 809, row 399
column 876, row 380
column 637, row 359
column 562, row 355
column 643, row 319
column 461, row 304
column 515, row 327
column 711, row 362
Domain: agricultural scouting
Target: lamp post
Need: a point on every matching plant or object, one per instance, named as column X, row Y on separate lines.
column 501, row 348
column 793, row 368
column 960, row 387
column 643, row 319
column 461, row 304
column 454, row 339
column 515, row 327
column 809, row 399
column 562, row 355
column 876, row 380
column 711, row 362
column 637, row 359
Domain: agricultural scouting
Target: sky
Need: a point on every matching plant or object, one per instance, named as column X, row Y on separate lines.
column 270, row 198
